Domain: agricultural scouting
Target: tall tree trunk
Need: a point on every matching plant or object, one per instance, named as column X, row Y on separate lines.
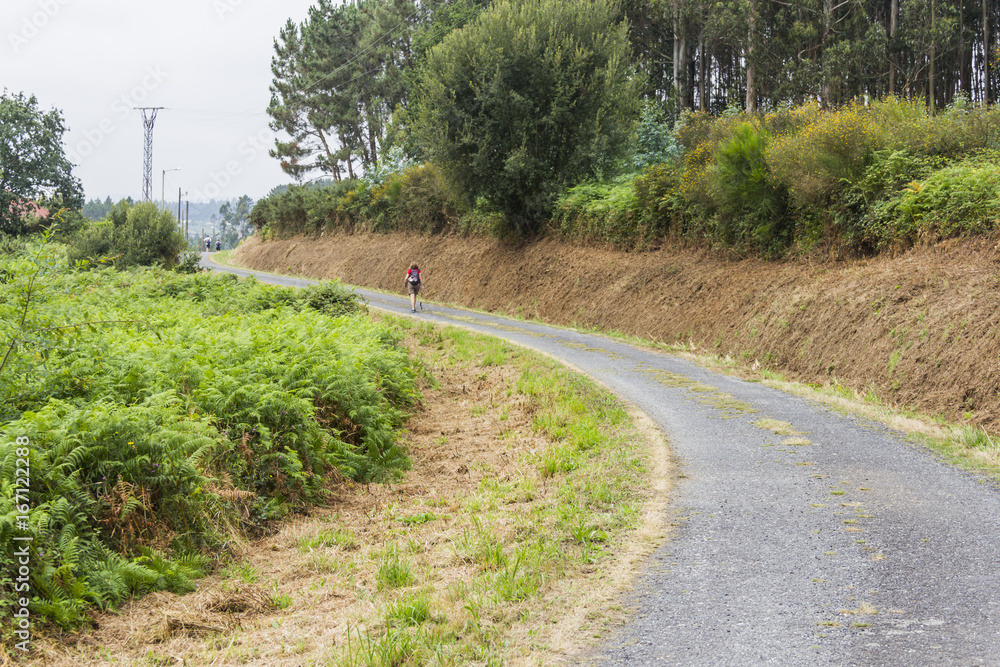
column 824, row 92
column 687, row 73
column 931, row 101
column 349, row 160
column 987, row 84
column 751, row 101
column 372, row 140
column 703, row 88
column 680, row 59
column 893, row 26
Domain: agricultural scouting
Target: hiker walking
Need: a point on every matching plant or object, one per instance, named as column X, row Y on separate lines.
column 414, row 281
column 208, row 244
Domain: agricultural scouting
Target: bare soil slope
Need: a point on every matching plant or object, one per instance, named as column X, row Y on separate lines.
column 920, row 329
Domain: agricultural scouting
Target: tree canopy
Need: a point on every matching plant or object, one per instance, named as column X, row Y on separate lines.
column 234, row 221
column 338, row 76
column 345, row 78
column 532, row 95
column 33, row 165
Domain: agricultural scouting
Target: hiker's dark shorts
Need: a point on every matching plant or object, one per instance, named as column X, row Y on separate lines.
column 412, row 288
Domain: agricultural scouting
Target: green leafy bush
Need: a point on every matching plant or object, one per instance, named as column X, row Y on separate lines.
column 655, row 141
column 528, row 97
column 799, row 178
column 416, row 199
column 332, row 298
column 92, row 246
column 190, row 262
column 605, row 213
column 133, row 235
column 751, row 207
column 826, row 150
column 957, row 200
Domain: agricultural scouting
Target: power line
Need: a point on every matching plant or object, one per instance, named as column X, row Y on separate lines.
column 221, row 114
column 363, row 52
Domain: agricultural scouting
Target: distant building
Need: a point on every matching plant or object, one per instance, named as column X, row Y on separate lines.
column 28, row 209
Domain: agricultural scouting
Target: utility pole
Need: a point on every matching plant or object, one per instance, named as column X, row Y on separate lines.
column 163, row 183
column 187, row 219
column 147, row 158
column 179, row 195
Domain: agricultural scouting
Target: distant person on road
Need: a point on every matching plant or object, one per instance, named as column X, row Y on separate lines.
column 218, row 246
column 414, row 281
column 208, row 244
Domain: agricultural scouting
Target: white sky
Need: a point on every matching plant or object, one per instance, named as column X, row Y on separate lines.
column 207, row 61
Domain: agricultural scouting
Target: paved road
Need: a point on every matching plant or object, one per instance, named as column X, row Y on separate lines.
column 842, row 545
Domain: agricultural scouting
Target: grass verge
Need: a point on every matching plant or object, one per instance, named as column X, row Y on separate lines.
column 967, row 446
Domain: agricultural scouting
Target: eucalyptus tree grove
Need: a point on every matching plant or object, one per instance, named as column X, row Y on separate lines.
column 709, row 54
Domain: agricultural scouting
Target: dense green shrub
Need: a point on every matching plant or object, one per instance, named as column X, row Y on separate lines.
column 603, row 212
column 956, row 200
column 415, row 199
column 655, row 142
column 93, row 245
column 148, row 236
column 790, row 180
column 803, row 177
column 168, row 412
column 530, row 96
column 331, row 298
column 190, row 262
column 825, row 150
column 750, row 205
column 301, row 209
column 132, row 235
column 10, row 245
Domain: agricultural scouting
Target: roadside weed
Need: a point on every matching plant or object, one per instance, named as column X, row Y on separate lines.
column 413, row 609
column 394, row 570
column 334, row 537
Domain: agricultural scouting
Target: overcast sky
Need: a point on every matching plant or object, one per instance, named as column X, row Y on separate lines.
column 207, row 61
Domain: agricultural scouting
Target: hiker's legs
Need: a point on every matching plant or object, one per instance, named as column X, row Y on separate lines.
column 413, row 300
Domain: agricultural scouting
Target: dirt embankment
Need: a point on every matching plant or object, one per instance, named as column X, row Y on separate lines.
column 921, row 329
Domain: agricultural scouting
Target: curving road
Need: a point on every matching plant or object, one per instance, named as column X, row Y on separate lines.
column 812, row 539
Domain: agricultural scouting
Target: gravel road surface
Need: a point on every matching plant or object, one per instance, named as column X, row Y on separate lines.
column 814, row 538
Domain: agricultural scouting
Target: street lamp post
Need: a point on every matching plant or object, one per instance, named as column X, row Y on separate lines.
column 163, row 183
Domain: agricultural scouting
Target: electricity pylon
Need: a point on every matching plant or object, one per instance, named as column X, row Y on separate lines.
column 147, row 160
